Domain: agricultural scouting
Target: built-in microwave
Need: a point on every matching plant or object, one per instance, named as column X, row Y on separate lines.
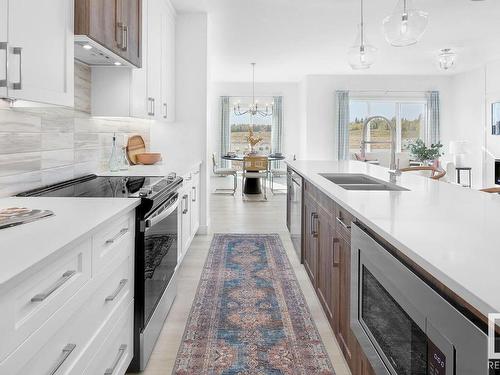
column 403, row 325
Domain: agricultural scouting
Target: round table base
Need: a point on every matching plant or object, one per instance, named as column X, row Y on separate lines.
column 252, row 186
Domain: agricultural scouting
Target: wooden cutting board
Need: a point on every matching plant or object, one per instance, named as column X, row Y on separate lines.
column 135, row 145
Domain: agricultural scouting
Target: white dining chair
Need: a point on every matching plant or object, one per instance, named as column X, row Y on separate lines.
column 225, row 172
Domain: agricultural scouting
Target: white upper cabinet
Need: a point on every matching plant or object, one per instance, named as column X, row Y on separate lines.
column 39, row 42
column 148, row 92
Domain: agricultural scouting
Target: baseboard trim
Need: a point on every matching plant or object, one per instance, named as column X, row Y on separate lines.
column 203, row 230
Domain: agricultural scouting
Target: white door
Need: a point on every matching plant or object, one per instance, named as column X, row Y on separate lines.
column 154, row 21
column 41, row 53
column 3, row 47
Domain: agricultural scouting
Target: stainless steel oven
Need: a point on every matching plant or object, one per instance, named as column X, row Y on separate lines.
column 156, row 282
column 402, row 324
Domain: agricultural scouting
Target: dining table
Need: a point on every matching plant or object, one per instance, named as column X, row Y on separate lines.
column 253, row 185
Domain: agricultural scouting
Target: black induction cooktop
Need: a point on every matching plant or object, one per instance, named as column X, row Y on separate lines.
column 112, row 187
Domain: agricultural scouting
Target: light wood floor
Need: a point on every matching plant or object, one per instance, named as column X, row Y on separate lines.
column 230, row 214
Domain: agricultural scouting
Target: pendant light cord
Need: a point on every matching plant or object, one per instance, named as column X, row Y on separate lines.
column 362, row 25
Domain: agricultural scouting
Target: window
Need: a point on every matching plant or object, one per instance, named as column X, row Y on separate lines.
column 407, row 115
column 240, row 125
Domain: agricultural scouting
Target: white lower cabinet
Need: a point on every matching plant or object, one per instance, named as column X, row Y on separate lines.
column 190, row 210
column 84, row 321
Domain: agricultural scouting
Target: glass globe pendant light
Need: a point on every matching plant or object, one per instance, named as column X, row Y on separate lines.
column 361, row 55
column 406, row 25
column 447, row 59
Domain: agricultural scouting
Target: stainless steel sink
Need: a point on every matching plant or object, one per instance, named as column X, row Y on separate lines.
column 363, row 182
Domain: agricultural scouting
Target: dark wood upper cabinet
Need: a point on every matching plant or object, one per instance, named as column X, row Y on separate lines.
column 115, row 24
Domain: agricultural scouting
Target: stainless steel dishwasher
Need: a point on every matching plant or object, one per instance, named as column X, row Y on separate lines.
column 295, row 210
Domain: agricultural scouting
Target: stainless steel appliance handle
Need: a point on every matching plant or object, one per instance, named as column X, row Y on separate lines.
column 296, row 182
column 153, row 105
column 194, row 194
column 341, row 222
column 121, row 233
column 18, row 85
column 166, row 110
column 121, row 352
column 117, row 291
column 64, row 278
column 67, row 350
column 155, row 220
column 4, row 47
column 185, row 199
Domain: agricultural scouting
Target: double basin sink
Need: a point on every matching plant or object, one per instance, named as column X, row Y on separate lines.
column 351, row 181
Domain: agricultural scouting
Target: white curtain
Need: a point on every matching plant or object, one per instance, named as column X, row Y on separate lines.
column 342, row 109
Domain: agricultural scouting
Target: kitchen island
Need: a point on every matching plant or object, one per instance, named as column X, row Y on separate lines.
column 443, row 233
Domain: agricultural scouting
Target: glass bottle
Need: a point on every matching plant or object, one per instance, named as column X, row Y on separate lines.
column 123, row 159
column 114, row 162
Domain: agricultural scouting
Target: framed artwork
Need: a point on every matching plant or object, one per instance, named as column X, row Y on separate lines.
column 495, row 118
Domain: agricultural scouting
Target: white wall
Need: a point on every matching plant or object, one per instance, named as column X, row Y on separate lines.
column 492, row 142
column 319, row 94
column 184, row 142
column 468, row 118
column 292, row 142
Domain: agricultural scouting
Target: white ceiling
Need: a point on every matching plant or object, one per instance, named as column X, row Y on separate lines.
column 292, row 38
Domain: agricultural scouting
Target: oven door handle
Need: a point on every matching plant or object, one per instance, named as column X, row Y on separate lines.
column 155, row 220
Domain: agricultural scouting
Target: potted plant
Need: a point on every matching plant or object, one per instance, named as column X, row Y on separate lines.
column 424, row 154
column 253, row 141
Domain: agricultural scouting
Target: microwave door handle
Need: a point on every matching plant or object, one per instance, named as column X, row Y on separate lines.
column 155, row 220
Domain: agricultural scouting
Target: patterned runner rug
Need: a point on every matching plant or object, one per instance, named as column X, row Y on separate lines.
column 249, row 315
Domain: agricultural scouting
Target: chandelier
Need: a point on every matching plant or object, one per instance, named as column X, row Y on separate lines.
column 253, row 108
column 447, row 58
column 406, row 25
column 361, row 55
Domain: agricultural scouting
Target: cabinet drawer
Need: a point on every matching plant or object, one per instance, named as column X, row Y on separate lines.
column 343, row 223
column 31, row 303
column 115, row 354
column 72, row 344
column 114, row 239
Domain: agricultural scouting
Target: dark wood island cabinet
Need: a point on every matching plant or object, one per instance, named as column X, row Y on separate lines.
column 326, row 253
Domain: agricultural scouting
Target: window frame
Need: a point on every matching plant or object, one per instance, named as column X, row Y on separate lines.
column 397, row 102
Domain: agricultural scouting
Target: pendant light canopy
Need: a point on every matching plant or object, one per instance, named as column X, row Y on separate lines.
column 447, row 59
column 362, row 55
column 406, row 25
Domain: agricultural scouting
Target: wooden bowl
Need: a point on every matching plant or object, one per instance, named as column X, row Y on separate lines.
column 148, row 158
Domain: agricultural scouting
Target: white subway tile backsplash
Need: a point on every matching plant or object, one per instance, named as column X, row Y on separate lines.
column 13, row 184
column 57, row 141
column 14, row 143
column 15, row 121
column 57, row 158
column 13, row 164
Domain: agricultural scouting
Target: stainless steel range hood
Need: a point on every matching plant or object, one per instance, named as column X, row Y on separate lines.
column 91, row 53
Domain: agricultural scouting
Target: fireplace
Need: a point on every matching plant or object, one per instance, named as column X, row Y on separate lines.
column 497, row 171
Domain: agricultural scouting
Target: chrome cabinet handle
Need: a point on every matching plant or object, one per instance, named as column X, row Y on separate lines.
column 336, row 260
column 117, row 291
column 166, row 110
column 341, row 222
column 121, row 352
column 67, row 350
column 185, row 198
column 43, row 296
column 121, row 233
column 124, row 37
column 4, row 47
column 18, row 85
column 150, row 107
column 153, row 105
column 314, row 219
column 194, row 194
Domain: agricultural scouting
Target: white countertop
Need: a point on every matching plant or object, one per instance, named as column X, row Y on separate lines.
column 23, row 246
column 158, row 169
column 450, row 231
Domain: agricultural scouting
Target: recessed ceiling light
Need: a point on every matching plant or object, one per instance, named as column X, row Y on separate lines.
column 87, row 46
column 117, row 63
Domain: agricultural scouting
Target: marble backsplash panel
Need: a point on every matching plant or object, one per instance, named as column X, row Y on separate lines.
column 41, row 146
